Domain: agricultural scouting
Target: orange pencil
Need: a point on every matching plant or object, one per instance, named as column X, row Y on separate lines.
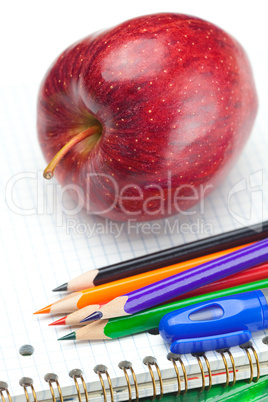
column 104, row 293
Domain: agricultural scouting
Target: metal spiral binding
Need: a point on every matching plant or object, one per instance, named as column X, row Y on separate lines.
column 50, row 378
column 125, row 365
column 174, row 358
column 222, row 353
column 257, row 364
column 151, row 361
column 101, row 369
column 246, row 347
column 197, row 356
column 77, row 373
column 4, row 387
column 28, row 382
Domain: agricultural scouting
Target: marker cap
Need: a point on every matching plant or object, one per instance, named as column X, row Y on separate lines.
column 214, row 324
column 206, row 343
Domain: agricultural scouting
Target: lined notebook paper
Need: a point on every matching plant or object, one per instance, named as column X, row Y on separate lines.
column 44, row 243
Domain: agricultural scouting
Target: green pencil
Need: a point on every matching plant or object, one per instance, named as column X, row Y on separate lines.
column 149, row 319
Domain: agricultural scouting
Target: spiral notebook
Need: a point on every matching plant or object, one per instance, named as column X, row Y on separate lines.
column 45, row 241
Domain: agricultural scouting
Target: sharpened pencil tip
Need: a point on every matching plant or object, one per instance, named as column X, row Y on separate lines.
column 61, row 288
column 93, row 317
column 44, row 310
column 68, row 337
column 61, row 321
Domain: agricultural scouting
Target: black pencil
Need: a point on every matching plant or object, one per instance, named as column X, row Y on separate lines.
column 167, row 257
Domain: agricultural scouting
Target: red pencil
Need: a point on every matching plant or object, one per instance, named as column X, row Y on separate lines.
column 257, row 273
column 253, row 274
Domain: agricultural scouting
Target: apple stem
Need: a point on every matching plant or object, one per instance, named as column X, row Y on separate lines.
column 49, row 170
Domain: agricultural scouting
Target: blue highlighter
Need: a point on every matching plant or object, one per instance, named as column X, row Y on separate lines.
column 216, row 324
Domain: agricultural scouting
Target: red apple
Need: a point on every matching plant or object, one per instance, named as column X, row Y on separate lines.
column 146, row 118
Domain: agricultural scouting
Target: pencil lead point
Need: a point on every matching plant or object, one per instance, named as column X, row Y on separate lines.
column 93, row 317
column 61, row 321
column 69, row 337
column 61, row 288
column 44, row 310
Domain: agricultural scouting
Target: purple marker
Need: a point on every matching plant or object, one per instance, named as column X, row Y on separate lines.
column 183, row 282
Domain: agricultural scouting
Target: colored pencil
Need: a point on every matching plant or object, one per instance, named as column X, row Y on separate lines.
column 75, row 317
column 184, row 282
column 104, row 293
column 149, row 319
column 256, row 273
column 166, row 257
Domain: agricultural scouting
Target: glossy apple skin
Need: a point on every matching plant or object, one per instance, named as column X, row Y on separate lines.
column 176, row 99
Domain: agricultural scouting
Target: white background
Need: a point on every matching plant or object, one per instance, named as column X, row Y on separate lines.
column 33, row 33
column 37, row 252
